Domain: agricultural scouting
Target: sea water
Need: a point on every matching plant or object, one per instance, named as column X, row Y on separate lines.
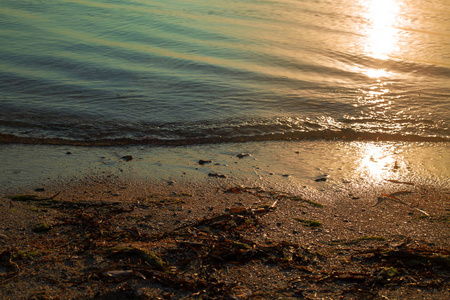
column 113, row 72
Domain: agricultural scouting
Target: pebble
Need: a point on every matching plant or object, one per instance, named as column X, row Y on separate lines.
column 127, row 157
column 216, row 175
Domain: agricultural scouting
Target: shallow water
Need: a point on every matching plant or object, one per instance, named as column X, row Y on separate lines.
column 365, row 169
column 187, row 72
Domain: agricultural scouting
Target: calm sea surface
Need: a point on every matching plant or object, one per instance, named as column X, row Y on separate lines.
column 98, row 72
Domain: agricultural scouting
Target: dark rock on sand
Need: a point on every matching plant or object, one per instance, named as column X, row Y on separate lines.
column 127, row 158
column 217, row 175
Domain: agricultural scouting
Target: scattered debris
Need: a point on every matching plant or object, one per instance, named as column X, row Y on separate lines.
column 128, row 252
column 118, row 273
column 195, row 258
column 41, row 227
column 236, row 190
column 23, row 198
column 395, row 199
column 237, row 210
column 309, row 223
column 401, row 182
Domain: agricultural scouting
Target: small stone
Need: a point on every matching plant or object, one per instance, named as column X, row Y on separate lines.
column 242, row 155
column 216, row 175
column 202, row 162
column 68, row 153
column 39, row 190
column 321, row 179
column 127, row 157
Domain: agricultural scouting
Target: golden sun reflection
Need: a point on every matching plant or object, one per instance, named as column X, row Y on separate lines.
column 377, row 161
column 376, row 73
column 382, row 32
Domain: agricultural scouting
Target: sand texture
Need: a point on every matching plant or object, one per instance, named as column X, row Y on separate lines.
column 111, row 239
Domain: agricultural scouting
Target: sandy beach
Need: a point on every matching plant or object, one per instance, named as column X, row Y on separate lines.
column 224, row 150
column 311, row 220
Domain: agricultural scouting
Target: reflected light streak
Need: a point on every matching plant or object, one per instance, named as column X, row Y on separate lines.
column 382, row 34
column 374, row 73
column 377, row 161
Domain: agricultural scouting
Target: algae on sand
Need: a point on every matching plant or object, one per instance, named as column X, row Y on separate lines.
column 309, row 223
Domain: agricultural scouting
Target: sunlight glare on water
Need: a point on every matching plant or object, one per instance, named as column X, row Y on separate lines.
column 381, row 31
column 377, row 161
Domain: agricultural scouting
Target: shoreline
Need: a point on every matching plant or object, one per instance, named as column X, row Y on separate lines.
column 107, row 228
column 288, row 166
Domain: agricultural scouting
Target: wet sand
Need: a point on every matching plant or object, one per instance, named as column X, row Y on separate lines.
column 158, row 225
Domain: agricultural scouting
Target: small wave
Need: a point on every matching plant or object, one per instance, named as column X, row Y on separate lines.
column 344, row 134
